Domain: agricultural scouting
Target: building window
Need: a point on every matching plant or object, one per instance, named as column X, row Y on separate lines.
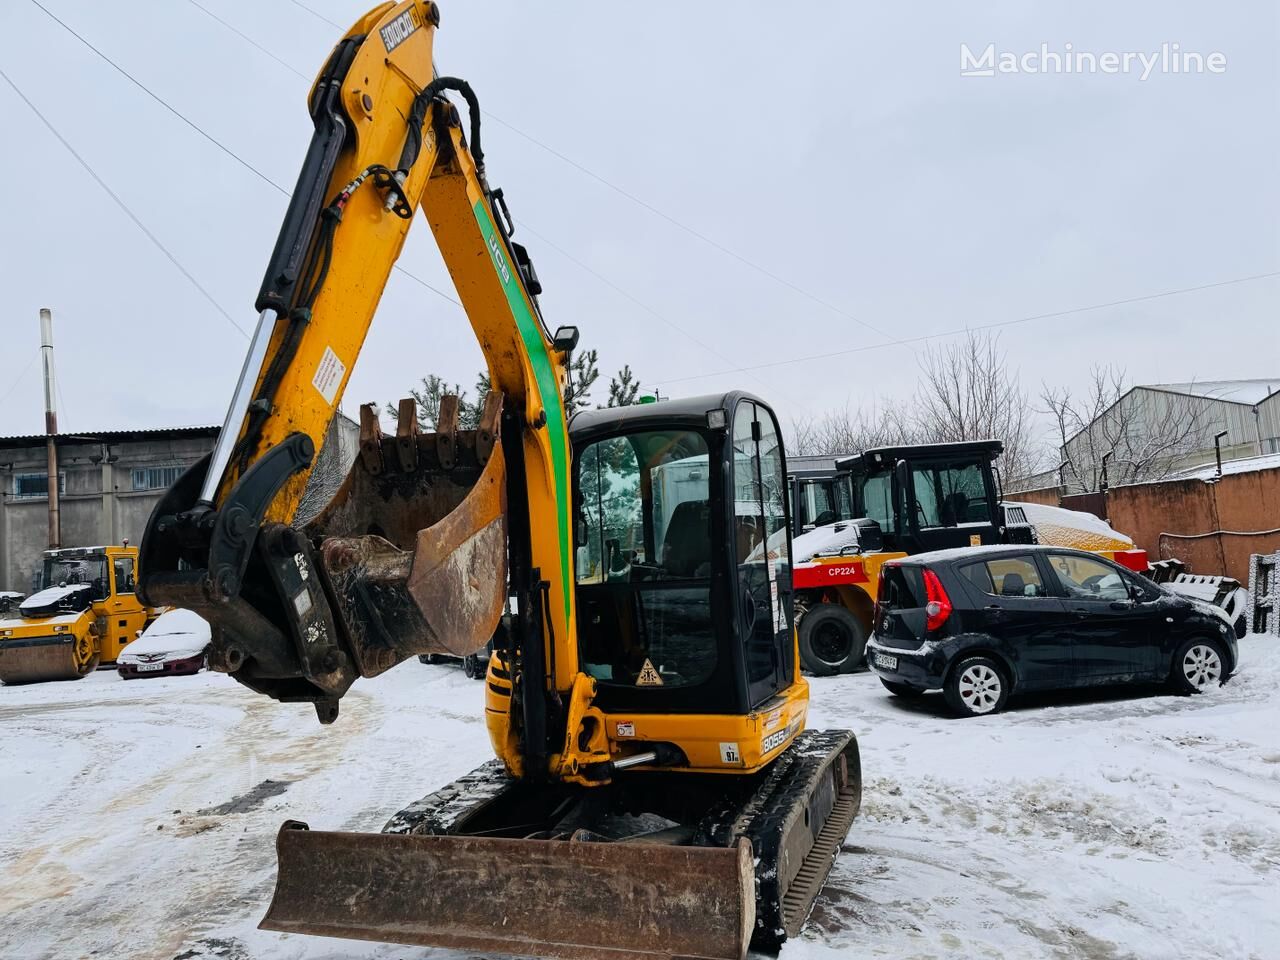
column 155, row 478
column 35, row 486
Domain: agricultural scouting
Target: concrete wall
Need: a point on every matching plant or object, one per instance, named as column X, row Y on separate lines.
column 1182, row 519
column 1048, row 496
column 93, row 465
column 98, row 505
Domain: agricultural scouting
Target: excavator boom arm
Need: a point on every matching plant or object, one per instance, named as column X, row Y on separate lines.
column 409, row 553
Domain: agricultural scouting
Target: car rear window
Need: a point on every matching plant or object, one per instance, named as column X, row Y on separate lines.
column 903, row 587
column 1006, row 577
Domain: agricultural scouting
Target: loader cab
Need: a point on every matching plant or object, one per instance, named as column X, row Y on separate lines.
column 821, row 493
column 682, row 555
column 930, row 496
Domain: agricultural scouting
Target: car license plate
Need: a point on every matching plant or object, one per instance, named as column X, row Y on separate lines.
column 886, row 661
column 142, row 667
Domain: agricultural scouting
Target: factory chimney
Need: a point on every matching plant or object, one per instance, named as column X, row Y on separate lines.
column 50, row 424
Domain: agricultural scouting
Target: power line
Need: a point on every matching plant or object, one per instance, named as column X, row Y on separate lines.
column 317, row 14
column 625, row 294
column 249, row 40
column 715, row 244
column 122, row 205
column 14, row 384
column 985, row 326
column 141, row 86
column 603, row 279
column 217, row 143
column 656, row 211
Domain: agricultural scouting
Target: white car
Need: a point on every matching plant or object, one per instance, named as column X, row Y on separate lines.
column 174, row 644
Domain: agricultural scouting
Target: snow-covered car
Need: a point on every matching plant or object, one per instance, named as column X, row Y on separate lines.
column 174, row 644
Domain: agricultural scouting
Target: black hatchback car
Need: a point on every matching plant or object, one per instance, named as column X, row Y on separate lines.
column 983, row 622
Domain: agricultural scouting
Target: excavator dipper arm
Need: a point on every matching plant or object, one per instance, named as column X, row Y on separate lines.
column 409, row 554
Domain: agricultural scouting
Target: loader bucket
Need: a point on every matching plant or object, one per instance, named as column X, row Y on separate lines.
column 549, row 898
column 59, row 657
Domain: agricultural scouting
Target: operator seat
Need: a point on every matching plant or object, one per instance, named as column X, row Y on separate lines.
column 686, row 546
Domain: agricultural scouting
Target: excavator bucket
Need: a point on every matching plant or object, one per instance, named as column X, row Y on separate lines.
column 568, row 898
column 414, row 541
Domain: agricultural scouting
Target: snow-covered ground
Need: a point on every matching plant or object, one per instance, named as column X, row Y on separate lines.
column 137, row 818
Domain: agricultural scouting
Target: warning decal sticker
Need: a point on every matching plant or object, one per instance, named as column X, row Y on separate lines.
column 329, row 375
column 649, row 677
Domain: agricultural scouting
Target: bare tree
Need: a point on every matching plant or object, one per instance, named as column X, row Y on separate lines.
column 846, row 431
column 967, row 391
column 1139, row 434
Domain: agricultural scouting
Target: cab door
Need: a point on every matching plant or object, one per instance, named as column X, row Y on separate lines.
column 125, row 614
column 762, row 548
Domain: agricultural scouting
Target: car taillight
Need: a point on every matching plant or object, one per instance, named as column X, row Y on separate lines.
column 937, row 604
column 875, row 613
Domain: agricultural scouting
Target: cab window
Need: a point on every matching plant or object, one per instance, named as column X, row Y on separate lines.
column 643, row 560
column 124, row 574
column 1084, row 578
column 949, row 496
column 877, row 500
column 1006, row 577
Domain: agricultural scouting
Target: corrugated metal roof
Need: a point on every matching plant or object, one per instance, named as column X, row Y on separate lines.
column 1233, row 391
column 110, row 436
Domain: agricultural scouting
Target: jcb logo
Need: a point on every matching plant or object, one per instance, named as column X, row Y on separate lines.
column 496, row 249
column 398, row 30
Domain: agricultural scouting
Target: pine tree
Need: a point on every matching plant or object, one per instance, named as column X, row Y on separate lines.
column 623, row 389
column 583, row 374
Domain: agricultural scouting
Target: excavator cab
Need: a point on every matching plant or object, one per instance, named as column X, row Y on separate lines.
column 682, row 555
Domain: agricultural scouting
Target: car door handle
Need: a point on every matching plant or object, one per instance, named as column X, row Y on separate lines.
column 1121, row 604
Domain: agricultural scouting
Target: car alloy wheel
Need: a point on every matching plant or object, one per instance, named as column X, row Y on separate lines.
column 1202, row 666
column 979, row 688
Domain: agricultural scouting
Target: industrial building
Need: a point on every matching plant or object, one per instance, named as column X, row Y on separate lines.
column 108, row 484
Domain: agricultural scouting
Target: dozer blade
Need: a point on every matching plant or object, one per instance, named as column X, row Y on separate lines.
column 62, row 657
column 550, row 898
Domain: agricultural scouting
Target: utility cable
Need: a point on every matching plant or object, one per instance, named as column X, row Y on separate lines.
column 638, row 302
column 984, row 326
column 141, row 86
column 17, row 381
column 217, row 143
column 123, row 206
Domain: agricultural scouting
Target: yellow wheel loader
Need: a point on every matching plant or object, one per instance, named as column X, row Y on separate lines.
column 85, row 611
column 655, row 792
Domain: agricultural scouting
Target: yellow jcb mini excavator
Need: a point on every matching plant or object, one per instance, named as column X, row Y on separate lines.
column 656, row 792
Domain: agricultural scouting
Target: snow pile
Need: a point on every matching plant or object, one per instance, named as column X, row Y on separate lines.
column 824, row 541
column 1073, row 528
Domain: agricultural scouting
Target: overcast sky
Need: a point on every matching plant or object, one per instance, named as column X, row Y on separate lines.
column 834, row 146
